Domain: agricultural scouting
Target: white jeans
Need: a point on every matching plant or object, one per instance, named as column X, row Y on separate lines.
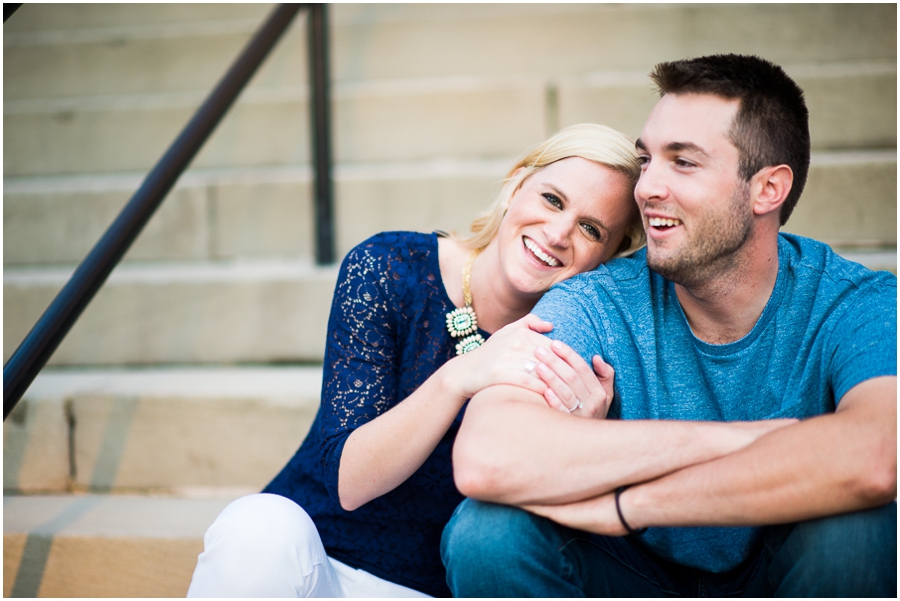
column 267, row 546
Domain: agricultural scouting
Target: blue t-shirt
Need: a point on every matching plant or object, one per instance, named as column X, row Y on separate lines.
column 829, row 325
column 387, row 334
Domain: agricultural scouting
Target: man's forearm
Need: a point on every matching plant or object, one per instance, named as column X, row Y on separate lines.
column 830, row 464
column 513, row 449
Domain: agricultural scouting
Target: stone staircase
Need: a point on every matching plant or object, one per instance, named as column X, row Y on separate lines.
column 195, row 373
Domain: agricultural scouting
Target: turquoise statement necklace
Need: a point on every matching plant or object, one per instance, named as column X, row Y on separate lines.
column 462, row 321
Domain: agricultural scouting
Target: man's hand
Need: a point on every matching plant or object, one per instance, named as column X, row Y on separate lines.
column 597, row 515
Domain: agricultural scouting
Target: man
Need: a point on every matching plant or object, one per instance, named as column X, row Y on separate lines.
column 755, row 387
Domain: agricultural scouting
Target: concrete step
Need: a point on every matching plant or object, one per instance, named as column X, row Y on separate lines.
column 250, row 312
column 266, row 213
column 215, row 431
column 119, row 20
column 850, row 200
column 238, row 312
column 122, row 87
column 244, row 213
column 269, row 127
column 853, row 105
column 148, row 48
column 161, row 50
column 102, row 545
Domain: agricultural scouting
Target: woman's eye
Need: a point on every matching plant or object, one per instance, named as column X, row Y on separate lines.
column 643, row 160
column 553, row 199
column 591, row 231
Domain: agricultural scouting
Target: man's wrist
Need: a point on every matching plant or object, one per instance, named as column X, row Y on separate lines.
column 629, row 524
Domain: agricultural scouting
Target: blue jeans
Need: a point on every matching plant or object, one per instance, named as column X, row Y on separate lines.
column 497, row 551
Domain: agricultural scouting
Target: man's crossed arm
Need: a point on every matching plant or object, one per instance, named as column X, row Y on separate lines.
column 512, row 449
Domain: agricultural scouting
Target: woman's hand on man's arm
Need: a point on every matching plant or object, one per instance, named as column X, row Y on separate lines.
column 572, row 386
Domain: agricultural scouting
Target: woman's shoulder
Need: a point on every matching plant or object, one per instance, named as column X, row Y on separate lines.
column 395, row 243
column 400, row 253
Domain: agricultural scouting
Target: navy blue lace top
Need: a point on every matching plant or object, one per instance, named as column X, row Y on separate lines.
column 386, row 335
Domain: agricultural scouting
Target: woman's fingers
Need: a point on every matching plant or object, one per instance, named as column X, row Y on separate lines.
column 559, row 375
column 573, row 382
column 554, row 401
column 605, row 375
column 536, row 324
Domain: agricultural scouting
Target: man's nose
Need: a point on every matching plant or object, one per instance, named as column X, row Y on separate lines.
column 651, row 184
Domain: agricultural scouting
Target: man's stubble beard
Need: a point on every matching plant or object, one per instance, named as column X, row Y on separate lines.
column 712, row 246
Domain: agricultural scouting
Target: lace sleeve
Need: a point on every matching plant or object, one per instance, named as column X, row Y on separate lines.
column 361, row 358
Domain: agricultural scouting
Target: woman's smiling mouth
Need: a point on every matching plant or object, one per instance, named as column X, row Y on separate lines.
column 539, row 254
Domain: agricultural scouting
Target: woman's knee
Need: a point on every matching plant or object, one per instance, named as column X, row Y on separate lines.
column 259, row 545
column 263, row 517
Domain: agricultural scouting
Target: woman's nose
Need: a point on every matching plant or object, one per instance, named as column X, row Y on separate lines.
column 558, row 231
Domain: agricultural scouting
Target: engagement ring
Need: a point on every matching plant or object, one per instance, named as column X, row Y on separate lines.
column 577, row 406
column 529, row 366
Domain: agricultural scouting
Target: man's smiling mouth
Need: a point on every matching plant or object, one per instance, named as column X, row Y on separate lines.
column 663, row 222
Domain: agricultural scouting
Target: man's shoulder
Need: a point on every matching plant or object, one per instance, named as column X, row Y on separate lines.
column 816, row 263
column 626, row 272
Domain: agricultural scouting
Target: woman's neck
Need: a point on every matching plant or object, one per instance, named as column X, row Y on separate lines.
column 495, row 301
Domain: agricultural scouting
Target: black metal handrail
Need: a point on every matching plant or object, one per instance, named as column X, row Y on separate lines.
column 43, row 339
column 320, row 110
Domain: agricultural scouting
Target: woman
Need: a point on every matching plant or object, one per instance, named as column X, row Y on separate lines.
column 373, row 479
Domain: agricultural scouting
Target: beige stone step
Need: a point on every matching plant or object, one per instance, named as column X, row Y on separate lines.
column 850, row 200
column 269, row 127
column 179, row 430
column 200, row 314
column 391, row 41
column 161, row 48
column 119, row 21
column 101, row 545
column 243, row 213
column 482, row 88
column 853, row 105
column 266, row 213
column 237, row 312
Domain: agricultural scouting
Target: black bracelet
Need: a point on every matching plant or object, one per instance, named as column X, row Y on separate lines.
column 625, row 525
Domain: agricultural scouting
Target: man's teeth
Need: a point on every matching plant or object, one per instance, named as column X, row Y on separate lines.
column 540, row 254
column 663, row 222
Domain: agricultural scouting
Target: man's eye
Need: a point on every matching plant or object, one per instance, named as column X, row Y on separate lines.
column 643, row 160
column 684, row 163
column 553, row 199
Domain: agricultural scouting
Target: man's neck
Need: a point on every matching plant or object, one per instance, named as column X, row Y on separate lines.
column 726, row 307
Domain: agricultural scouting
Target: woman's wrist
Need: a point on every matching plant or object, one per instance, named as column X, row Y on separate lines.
column 452, row 378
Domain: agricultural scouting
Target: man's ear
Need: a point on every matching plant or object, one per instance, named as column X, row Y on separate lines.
column 770, row 187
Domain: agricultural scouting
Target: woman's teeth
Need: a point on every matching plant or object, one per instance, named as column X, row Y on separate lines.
column 535, row 249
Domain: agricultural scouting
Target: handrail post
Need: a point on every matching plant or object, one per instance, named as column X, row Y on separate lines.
column 320, row 105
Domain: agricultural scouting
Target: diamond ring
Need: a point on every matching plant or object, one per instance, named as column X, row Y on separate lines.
column 577, row 406
column 529, row 366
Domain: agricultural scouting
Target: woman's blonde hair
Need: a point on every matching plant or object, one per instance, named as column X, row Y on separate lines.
column 590, row 141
